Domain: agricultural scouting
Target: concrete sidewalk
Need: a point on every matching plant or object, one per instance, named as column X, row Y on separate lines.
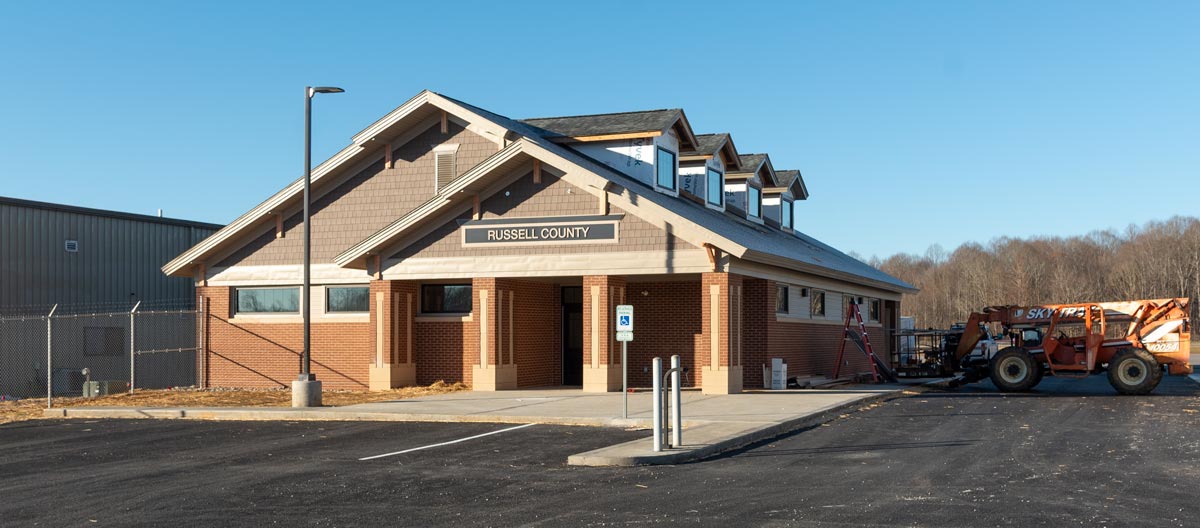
column 712, row 423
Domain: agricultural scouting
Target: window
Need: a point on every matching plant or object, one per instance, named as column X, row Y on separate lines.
column 873, row 310
column 446, row 298
column 268, row 300
column 754, row 201
column 715, row 190
column 347, row 299
column 781, row 299
column 445, row 158
column 817, row 306
column 666, row 169
column 104, row 341
column 785, row 216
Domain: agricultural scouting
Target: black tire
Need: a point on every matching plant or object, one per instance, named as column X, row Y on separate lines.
column 1014, row 370
column 1134, row 371
column 1039, row 372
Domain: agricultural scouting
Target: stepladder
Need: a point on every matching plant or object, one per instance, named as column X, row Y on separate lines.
column 855, row 331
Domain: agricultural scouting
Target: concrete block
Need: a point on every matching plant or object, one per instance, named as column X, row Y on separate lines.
column 306, row 393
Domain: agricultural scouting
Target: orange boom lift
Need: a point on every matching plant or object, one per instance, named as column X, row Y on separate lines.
column 1135, row 342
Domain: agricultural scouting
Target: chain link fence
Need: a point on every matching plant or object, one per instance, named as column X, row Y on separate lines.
column 64, row 354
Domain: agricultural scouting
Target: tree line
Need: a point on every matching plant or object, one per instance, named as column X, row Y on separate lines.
column 1154, row 260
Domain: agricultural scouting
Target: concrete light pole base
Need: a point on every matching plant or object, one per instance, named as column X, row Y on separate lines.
column 306, row 393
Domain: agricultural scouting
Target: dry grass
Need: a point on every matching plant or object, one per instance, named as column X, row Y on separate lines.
column 185, row 397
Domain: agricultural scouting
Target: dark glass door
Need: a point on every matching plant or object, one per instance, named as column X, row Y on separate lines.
column 572, row 335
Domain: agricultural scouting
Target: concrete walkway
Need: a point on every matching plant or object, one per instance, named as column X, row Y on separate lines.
column 712, row 424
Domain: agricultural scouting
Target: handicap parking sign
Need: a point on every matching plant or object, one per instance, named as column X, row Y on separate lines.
column 625, row 318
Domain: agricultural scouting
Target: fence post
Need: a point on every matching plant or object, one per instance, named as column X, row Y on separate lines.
column 50, row 358
column 203, row 343
column 132, row 343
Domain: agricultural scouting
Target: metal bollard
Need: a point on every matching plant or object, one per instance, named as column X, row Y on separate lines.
column 656, row 391
column 676, row 403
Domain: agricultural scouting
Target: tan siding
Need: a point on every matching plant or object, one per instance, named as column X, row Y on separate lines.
column 366, row 202
column 552, row 197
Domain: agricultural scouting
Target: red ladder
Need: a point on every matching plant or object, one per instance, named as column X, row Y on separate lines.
column 863, row 342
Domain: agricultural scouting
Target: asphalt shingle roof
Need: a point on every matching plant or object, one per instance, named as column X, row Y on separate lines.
column 707, row 144
column 601, row 124
column 751, row 161
column 786, row 177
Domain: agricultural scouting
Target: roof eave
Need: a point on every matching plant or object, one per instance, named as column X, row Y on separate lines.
column 784, row 262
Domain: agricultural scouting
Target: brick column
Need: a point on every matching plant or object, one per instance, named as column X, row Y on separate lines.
column 494, row 367
column 722, row 327
column 601, row 351
column 393, row 304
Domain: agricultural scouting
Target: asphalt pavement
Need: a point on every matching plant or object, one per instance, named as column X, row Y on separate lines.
column 1072, row 453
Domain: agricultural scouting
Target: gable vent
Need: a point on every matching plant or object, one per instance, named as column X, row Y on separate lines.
column 72, row 246
column 445, row 161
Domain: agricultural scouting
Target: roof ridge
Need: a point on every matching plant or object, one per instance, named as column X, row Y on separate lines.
column 602, row 114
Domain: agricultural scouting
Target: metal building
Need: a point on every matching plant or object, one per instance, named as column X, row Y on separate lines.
column 89, row 259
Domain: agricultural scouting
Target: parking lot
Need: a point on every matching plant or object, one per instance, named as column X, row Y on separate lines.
column 1073, row 453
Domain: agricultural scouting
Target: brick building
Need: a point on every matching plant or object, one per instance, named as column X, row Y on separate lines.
column 452, row 243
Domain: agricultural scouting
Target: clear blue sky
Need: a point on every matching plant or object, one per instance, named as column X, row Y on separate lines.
column 913, row 123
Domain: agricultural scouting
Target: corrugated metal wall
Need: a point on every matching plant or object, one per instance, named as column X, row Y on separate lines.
column 118, row 260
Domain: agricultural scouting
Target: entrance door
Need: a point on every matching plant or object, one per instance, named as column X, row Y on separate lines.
column 572, row 335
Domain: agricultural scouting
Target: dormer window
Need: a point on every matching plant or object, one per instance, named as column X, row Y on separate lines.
column 714, row 191
column 753, row 202
column 785, row 214
column 667, row 172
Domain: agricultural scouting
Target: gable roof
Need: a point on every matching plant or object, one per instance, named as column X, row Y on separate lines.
column 690, row 221
column 752, row 164
column 791, row 179
column 711, row 145
column 599, row 126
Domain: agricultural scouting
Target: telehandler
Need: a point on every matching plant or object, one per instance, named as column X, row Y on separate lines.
column 1135, row 342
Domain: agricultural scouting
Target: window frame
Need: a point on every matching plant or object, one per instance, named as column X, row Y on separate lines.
column 328, row 309
column 782, row 293
column 874, row 310
column 425, row 288
column 708, row 194
column 237, row 303
column 756, row 204
column 813, row 296
column 785, row 213
column 658, row 170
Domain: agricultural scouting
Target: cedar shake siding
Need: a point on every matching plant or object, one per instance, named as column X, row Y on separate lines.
column 366, row 202
column 552, row 197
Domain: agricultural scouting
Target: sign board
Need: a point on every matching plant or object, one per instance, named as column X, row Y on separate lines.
column 541, row 231
column 624, row 336
column 625, row 318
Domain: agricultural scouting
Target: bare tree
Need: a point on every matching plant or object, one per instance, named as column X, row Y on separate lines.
column 1158, row 259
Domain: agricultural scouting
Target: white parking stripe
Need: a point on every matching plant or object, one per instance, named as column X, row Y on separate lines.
column 447, row 443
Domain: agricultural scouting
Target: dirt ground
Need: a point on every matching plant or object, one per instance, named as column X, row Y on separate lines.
column 32, row 408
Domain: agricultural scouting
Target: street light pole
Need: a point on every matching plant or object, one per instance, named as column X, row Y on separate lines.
column 306, row 390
